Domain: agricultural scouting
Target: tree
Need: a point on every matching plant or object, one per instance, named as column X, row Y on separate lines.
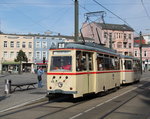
column 20, row 58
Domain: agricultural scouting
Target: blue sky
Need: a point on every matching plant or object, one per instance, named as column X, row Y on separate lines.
column 39, row 16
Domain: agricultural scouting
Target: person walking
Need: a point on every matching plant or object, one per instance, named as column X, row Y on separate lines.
column 39, row 76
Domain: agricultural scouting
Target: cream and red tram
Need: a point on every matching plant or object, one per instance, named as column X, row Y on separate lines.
column 79, row 69
column 130, row 69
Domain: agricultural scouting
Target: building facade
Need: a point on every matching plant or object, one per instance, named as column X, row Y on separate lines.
column 10, row 46
column 145, row 55
column 42, row 45
column 118, row 37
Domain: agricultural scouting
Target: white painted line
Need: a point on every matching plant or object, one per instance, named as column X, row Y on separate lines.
column 89, row 109
column 106, row 101
column 99, row 104
column 23, row 104
column 76, row 116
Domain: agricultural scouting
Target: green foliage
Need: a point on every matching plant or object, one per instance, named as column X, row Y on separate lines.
column 21, row 57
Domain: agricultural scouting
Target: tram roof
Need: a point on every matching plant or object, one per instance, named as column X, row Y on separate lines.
column 128, row 57
column 86, row 46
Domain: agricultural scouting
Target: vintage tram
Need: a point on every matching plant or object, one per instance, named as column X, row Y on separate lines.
column 79, row 69
column 129, row 69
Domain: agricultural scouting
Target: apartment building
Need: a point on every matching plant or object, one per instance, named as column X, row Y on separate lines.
column 10, row 46
column 42, row 45
column 145, row 55
column 118, row 37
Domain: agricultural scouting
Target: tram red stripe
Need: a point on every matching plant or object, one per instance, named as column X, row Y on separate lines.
column 80, row 73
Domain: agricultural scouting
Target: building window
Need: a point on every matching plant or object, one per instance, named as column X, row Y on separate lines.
column 119, row 45
column 125, row 36
column 130, row 45
column 29, row 54
column 44, row 54
column 105, row 34
column 145, row 53
column 38, row 45
column 135, row 53
column 129, row 36
column 44, row 44
column 38, row 55
column 125, row 45
column 5, row 54
column 5, row 44
column 30, row 45
column 18, row 44
column 11, row 54
column 11, row 44
column 23, row 45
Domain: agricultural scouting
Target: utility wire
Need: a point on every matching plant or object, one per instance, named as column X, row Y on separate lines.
column 145, row 9
column 114, row 14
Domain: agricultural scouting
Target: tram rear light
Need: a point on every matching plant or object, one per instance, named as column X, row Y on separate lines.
column 71, row 88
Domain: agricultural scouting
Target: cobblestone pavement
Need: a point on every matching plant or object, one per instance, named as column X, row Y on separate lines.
column 20, row 97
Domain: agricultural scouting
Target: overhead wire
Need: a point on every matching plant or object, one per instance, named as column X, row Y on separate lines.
column 113, row 14
column 145, row 9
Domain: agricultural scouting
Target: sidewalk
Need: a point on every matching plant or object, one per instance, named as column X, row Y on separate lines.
column 19, row 97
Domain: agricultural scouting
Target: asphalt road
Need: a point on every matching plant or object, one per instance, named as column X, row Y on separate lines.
column 129, row 102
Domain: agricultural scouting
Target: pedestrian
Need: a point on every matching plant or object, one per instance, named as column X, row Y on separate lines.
column 39, row 76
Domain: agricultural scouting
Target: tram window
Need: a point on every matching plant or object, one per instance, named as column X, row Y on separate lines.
column 107, row 64
column 128, row 64
column 61, row 63
column 84, row 61
column 100, row 63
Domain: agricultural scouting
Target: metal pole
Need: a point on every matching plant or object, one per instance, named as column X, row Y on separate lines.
column 76, row 21
column 140, row 47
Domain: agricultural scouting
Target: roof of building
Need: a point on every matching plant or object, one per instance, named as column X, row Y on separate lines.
column 52, row 36
column 117, row 27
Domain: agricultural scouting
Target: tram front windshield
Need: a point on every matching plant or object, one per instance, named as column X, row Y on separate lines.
column 61, row 63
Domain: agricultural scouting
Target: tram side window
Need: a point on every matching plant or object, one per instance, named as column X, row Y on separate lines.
column 128, row 64
column 80, row 61
column 100, row 63
column 106, row 63
column 117, row 63
column 84, row 61
column 90, row 60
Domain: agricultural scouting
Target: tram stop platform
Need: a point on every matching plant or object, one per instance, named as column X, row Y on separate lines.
column 20, row 97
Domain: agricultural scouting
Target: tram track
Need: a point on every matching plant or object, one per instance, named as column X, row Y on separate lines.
column 74, row 103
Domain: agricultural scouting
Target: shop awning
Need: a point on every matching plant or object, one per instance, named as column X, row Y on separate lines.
column 11, row 63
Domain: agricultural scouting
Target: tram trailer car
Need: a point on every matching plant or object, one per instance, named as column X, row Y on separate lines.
column 79, row 69
column 129, row 69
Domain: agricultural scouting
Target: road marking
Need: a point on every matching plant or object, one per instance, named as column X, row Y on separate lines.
column 23, row 104
column 89, row 109
column 106, row 101
column 76, row 116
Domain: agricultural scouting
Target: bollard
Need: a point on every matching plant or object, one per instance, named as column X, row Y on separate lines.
column 7, row 86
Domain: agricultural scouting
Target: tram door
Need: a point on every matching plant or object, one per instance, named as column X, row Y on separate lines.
column 85, row 65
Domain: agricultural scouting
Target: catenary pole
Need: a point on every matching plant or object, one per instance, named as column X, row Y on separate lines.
column 140, row 47
column 76, row 38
